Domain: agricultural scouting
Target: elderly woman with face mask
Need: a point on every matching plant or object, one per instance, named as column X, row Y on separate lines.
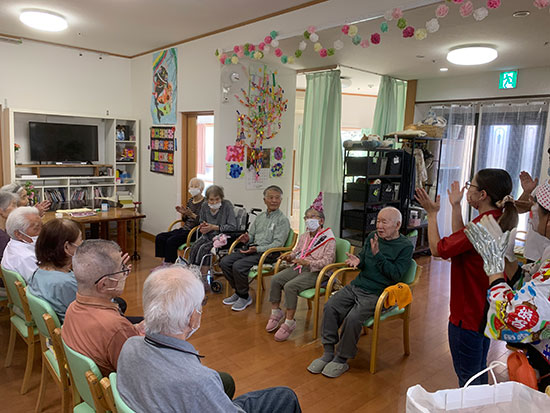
column 167, row 243
column 217, row 215
column 315, row 249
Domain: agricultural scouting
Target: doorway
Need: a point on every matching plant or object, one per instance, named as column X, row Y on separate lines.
column 197, row 149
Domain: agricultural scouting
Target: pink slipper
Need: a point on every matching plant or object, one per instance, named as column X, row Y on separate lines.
column 274, row 321
column 284, row 332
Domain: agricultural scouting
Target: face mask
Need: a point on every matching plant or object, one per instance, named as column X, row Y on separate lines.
column 32, row 238
column 312, row 224
column 194, row 191
column 215, row 206
column 193, row 330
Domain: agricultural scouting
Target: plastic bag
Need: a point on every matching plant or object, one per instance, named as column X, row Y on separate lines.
column 505, row 397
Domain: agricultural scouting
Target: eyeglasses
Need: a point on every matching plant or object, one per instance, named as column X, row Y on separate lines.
column 469, row 184
column 125, row 270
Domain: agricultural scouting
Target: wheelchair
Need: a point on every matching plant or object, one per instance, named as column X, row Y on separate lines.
column 216, row 254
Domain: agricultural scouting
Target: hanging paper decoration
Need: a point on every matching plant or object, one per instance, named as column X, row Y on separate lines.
column 265, row 106
column 270, row 42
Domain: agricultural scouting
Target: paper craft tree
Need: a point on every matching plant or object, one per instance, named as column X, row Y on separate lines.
column 266, row 105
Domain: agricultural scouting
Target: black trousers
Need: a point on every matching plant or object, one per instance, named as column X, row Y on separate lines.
column 167, row 244
column 235, row 268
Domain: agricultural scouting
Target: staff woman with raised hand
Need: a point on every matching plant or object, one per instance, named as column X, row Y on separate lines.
column 489, row 194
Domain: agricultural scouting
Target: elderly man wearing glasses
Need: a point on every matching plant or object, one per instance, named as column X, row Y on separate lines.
column 93, row 323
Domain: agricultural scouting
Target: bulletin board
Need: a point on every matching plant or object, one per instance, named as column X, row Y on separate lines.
column 163, row 144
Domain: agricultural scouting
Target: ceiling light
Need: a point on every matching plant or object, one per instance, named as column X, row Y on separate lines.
column 521, row 13
column 43, row 20
column 346, row 82
column 443, row 69
column 472, row 55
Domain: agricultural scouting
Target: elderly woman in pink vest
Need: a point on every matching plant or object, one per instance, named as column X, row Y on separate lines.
column 316, row 248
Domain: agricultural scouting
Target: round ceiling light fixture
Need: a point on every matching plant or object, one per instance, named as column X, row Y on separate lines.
column 346, row 82
column 43, row 20
column 472, row 55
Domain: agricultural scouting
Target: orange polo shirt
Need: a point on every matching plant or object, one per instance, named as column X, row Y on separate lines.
column 94, row 327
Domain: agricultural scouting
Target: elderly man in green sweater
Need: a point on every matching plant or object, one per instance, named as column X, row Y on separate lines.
column 383, row 261
column 269, row 230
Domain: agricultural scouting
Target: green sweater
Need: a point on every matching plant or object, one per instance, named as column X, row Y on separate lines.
column 385, row 268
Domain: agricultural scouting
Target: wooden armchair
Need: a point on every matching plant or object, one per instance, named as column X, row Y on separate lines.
column 411, row 278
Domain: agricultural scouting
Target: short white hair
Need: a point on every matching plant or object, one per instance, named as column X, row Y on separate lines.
column 18, row 221
column 170, row 295
column 396, row 214
column 199, row 181
column 6, row 199
column 14, row 188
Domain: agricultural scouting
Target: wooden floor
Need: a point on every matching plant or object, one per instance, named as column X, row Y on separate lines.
column 237, row 343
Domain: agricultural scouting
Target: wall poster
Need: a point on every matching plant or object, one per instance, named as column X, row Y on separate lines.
column 165, row 90
column 162, row 149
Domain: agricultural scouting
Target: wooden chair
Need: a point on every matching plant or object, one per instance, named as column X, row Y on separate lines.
column 107, row 390
column 262, row 272
column 183, row 247
column 411, row 278
column 100, row 402
column 314, row 294
column 39, row 309
column 21, row 323
column 120, row 404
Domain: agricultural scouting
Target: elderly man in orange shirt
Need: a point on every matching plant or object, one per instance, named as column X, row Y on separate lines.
column 93, row 323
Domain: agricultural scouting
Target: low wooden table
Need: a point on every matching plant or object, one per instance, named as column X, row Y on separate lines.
column 120, row 215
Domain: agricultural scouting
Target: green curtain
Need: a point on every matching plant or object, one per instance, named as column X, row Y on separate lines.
column 321, row 160
column 389, row 113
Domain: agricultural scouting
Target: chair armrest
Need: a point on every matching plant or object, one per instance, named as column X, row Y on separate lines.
column 268, row 252
column 233, row 246
column 334, row 276
column 279, row 261
column 174, row 223
column 190, row 235
column 322, row 274
column 380, row 305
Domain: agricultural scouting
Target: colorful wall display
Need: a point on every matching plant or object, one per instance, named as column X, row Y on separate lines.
column 234, row 161
column 165, row 90
column 265, row 105
column 162, row 149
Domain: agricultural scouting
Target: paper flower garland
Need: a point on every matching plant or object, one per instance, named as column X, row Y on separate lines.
column 442, row 11
column 421, row 34
column 271, row 43
column 408, row 32
column 466, row 9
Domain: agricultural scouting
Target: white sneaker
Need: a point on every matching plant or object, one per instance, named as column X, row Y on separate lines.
column 231, row 300
column 242, row 303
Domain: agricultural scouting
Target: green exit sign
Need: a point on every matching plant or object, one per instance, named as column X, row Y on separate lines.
column 508, row 80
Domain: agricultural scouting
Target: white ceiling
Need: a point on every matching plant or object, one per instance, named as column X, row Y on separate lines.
column 130, row 27
column 521, row 43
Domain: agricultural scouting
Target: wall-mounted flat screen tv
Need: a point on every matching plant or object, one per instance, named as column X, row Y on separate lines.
column 61, row 142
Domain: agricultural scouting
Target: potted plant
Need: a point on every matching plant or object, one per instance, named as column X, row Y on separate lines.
column 32, row 193
column 16, row 148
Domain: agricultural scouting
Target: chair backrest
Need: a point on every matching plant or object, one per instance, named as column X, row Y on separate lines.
column 39, row 307
column 410, row 275
column 79, row 364
column 121, row 406
column 55, row 336
column 342, row 246
column 242, row 218
column 27, row 316
column 291, row 239
column 10, row 277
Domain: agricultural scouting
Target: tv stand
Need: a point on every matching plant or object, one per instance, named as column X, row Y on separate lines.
column 37, row 167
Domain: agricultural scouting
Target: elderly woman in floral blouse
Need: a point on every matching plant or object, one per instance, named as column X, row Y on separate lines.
column 316, row 248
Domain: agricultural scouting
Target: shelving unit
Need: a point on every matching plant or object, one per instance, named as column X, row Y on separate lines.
column 116, row 171
column 362, row 198
column 422, row 244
